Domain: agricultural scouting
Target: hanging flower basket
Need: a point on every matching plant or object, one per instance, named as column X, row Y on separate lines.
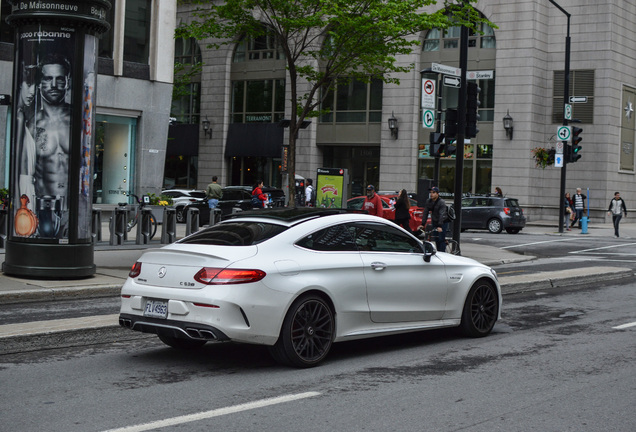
column 543, row 157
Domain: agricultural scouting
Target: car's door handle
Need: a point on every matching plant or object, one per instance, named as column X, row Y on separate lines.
column 378, row 266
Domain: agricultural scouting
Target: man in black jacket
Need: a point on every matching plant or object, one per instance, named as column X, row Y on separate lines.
column 436, row 206
column 616, row 208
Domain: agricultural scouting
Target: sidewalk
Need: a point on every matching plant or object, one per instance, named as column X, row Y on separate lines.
column 114, row 262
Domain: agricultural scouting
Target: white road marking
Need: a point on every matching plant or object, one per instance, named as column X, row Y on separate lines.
column 605, row 247
column 624, row 326
column 542, row 242
column 214, row 413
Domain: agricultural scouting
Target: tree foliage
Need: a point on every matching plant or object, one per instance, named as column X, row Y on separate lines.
column 326, row 41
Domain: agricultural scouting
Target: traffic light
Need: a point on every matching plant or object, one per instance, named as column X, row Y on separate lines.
column 436, row 145
column 551, row 156
column 472, row 110
column 575, row 153
column 450, row 124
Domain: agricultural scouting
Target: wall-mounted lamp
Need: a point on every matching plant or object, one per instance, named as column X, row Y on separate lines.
column 207, row 130
column 393, row 126
column 508, row 126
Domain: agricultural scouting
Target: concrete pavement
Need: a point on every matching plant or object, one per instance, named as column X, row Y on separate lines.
column 114, row 262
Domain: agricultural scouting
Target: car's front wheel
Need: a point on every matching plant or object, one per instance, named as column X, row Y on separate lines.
column 179, row 343
column 307, row 333
column 480, row 310
column 495, row 226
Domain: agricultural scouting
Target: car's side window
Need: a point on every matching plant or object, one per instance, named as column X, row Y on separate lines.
column 467, row 202
column 373, row 237
column 333, row 239
column 355, row 204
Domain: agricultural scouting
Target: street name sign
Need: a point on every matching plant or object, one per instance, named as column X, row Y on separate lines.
column 447, row 70
column 475, row 75
column 452, row 81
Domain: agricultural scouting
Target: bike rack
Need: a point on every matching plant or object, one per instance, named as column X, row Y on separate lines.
column 118, row 223
column 169, row 226
column 215, row 216
column 144, row 227
column 4, row 226
column 192, row 221
column 96, row 225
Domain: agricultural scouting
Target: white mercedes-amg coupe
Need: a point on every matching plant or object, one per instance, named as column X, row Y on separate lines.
column 298, row 280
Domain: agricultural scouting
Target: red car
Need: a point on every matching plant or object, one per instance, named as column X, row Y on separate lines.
column 389, row 211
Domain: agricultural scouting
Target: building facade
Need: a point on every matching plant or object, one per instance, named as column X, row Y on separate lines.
column 134, row 93
column 519, row 66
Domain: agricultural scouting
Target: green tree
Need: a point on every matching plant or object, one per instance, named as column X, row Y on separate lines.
column 326, row 41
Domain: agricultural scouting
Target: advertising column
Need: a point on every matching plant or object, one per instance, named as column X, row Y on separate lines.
column 52, row 137
column 332, row 187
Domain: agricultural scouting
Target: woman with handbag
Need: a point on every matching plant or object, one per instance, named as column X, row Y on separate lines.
column 258, row 197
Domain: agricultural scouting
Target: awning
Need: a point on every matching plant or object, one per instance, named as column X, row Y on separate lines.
column 183, row 140
column 254, row 139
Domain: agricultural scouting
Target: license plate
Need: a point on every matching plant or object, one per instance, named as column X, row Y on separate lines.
column 156, row 309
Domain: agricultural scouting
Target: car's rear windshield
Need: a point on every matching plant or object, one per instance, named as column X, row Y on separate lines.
column 512, row 203
column 235, row 234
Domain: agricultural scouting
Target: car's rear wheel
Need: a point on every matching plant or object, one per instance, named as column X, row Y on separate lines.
column 512, row 230
column 179, row 343
column 495, row 226
column 307, row 333
column 480, row 310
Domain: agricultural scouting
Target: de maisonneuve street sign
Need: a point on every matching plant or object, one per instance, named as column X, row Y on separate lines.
column 447, row 70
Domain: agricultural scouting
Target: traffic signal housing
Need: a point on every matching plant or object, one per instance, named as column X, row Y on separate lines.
column 450, row 124
column 575, row 152
column 472, row 110
column 436, row 143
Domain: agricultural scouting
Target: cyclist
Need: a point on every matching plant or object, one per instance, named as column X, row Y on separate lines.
column 436, row 206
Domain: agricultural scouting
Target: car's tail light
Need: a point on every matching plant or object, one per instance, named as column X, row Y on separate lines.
column 507, row 210
column 135, row 270
column 216, row 276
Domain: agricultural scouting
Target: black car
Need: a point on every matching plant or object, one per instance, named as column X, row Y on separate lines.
column 236, row 198
column 492, row 213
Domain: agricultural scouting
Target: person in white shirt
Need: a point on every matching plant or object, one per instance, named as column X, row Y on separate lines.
column 309, row 194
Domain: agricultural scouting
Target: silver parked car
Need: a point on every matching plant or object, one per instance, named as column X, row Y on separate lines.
column 298, row 280
column 492, row 213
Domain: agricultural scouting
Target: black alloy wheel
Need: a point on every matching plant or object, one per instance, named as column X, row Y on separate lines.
column 480, row 310
column 307, row 333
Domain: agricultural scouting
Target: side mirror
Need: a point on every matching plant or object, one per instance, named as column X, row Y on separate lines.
column 429, row 251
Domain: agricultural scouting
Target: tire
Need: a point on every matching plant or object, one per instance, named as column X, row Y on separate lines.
column 307, row 333
column 513, row 230
column 481, row 309
column 495, row 226
column 180, row 214
column 181, row 344
column 452, row 247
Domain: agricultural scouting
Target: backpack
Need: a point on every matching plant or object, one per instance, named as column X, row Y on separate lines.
column 256, row 202
column 450, row 213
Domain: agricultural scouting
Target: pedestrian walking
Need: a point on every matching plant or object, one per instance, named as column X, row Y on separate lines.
column 259, row 199
column 616, row 208
column 569, row 211
column 402, row 213
column 579, row 207
column 373, row 203
column 213, row 193
column 310, row 196
column 436, row 206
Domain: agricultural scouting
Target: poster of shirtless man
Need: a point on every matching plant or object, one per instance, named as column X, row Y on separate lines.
column 43, row 135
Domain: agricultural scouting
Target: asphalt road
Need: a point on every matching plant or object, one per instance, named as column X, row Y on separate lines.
column 558, row 360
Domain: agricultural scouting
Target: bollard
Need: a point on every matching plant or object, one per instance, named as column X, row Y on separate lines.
column 215, row 216
column 118, row 225
column 144, row 227
column 192, row 221
column 96, row 225
column 169, row 226
column 4, row 226
column 584, row 225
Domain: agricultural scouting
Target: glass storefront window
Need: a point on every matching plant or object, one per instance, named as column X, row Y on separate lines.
column 115, row 144
column 258, row 101
column 355, row 102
